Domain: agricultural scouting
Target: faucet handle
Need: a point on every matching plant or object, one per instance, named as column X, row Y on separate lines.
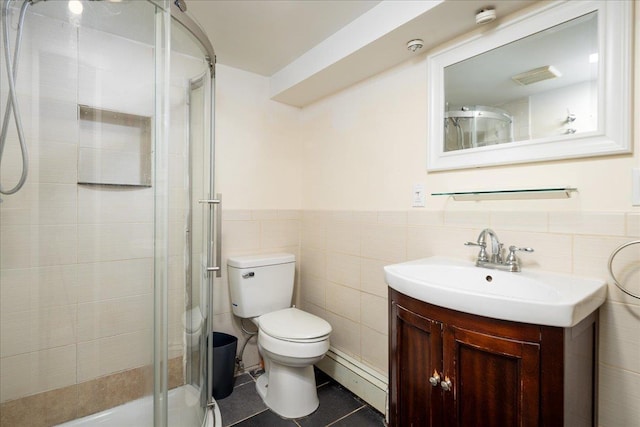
column 481, row 244
column 511, row 258
column 482, row 255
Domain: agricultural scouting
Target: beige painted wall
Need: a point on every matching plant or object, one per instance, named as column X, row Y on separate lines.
column 257, row 144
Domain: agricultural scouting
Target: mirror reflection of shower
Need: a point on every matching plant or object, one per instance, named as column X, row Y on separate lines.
column 473, row 126
column 12, row 99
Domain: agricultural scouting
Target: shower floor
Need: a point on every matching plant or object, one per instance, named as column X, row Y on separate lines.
column 183, row 411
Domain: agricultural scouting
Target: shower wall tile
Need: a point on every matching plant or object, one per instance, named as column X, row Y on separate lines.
column 37, row 288
column 112, row 354
column 114, row 317
column 55, row 162
column 60, row 81
column 104, row 82
column 176, row 274
column 53, row 245
column 15, row 246
column 176, row 238
column 110, row 242
column 52, row 120
column 98, row 205
column 177, row 323
column 34, row 330
column 35, row 372
column 54, row 204
column 114, row 279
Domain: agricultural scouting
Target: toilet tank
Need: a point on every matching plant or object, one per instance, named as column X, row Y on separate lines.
column 260, row 284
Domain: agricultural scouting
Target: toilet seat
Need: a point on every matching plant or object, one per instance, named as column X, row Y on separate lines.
column 291, row 324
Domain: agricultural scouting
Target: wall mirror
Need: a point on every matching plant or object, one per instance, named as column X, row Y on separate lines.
column 550, row 84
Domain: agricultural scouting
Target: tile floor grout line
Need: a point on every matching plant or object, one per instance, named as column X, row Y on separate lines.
column 246, row 418
column 345, row 416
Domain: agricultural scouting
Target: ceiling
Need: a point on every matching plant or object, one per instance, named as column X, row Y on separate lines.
column 263, row 36
column 312, row 48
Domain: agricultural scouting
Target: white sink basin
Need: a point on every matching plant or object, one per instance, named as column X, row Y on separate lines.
column 530, row 296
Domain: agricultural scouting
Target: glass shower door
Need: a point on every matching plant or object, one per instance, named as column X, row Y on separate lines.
column 191, row 135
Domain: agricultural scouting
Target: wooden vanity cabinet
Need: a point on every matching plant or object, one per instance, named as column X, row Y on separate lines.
column 501, row 373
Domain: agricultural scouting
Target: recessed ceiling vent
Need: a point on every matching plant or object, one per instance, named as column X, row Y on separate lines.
column 536, row 75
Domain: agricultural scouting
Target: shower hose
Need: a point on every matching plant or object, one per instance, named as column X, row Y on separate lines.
column 12, row 99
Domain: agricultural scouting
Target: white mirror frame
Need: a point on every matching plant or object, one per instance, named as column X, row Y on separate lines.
column 614, row 89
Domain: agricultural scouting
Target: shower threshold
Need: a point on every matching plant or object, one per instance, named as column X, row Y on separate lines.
column 183, row 411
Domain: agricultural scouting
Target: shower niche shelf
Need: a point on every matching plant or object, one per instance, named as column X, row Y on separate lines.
column 114, row 148
column 517, row 194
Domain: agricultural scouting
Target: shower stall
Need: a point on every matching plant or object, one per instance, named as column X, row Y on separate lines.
column 109, row 223
column 476, row 126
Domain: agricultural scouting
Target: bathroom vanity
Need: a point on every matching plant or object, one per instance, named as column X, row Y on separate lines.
column 451, row 368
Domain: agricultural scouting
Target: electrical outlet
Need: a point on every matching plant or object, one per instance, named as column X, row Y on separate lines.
column 635, row 186
column 418, row 199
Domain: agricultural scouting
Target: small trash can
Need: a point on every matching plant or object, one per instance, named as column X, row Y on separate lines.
column 224, row 361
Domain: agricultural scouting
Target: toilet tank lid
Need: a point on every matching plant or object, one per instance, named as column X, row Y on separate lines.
column 250, row 261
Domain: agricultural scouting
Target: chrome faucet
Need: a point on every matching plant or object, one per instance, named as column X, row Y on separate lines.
column 496, row 260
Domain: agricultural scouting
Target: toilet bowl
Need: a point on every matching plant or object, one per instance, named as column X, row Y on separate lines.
column 290, row 340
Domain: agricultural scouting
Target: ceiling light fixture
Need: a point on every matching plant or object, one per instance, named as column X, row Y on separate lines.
column 75, row 7
column 415, row 44
column 485, row 16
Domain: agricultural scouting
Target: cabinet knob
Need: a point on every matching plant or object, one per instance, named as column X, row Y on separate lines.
column 435, row 379
column 446, row 384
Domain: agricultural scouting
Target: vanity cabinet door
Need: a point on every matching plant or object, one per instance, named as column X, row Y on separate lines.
column 416, row 353
column 495, row 380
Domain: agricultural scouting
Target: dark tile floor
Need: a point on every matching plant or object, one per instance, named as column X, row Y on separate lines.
column 338, row 407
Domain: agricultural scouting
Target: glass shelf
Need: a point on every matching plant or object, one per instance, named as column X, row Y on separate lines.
column 518, row 194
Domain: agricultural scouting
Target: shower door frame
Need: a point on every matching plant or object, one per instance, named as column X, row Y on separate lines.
column 212, row 200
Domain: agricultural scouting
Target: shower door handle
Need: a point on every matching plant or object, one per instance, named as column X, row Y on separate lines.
column 215, row 224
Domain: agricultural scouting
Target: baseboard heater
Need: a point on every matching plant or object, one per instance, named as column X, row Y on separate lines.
column 366, row 383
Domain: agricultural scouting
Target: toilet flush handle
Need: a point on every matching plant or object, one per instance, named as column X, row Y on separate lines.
column 248, row 275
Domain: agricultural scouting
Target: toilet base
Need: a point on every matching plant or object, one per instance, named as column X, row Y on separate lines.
column 289, row 392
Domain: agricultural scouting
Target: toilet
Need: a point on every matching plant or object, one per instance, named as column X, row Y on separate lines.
column 290, row 340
